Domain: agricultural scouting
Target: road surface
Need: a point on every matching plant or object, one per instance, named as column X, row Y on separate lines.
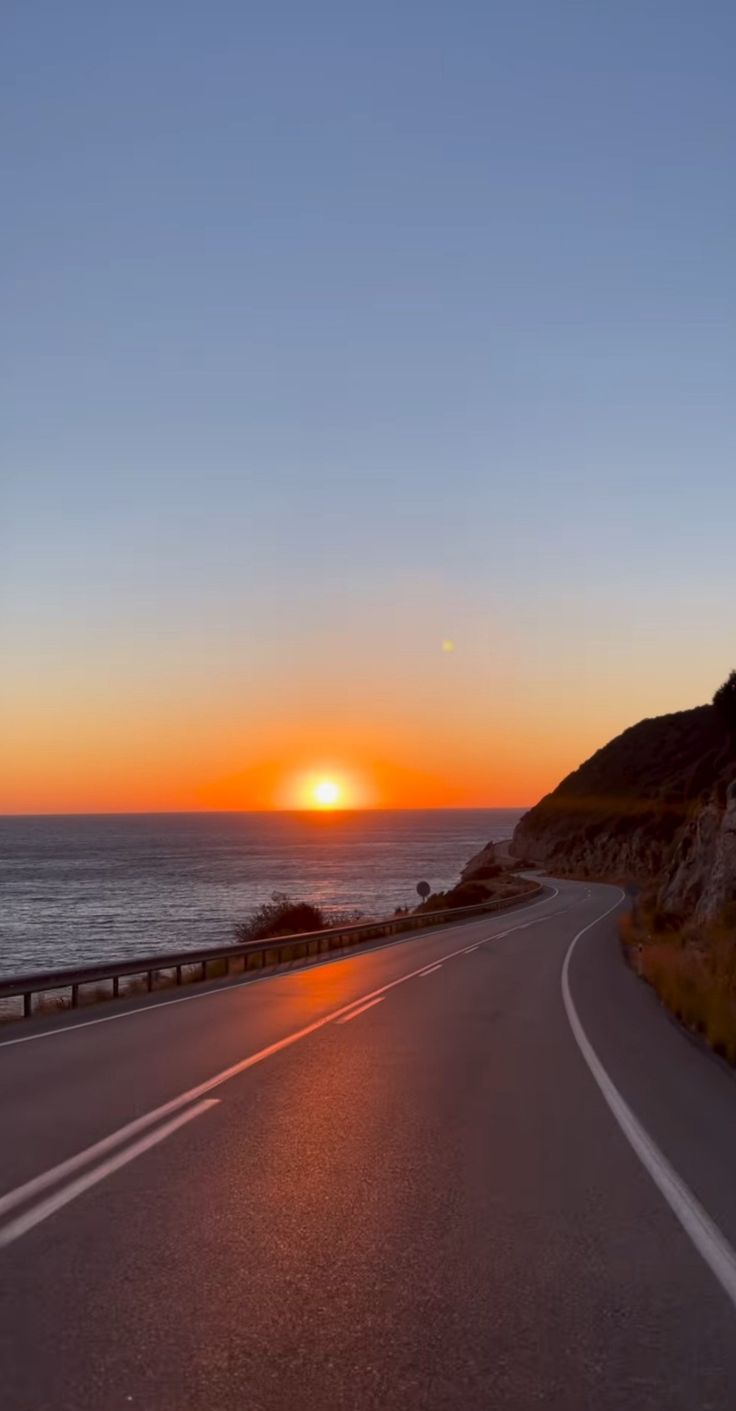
column 403, row 1179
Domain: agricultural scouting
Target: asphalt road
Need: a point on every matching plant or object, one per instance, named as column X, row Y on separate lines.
column 433, row 1175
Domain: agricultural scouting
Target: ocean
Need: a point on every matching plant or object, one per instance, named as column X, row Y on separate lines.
column 89, row 887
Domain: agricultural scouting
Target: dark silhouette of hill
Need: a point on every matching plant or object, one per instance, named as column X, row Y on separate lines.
column 625, row 812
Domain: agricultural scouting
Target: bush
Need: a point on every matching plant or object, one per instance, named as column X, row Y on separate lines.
column 467, row 894
column 486, row 872
column 437, row 901
column 281, row 917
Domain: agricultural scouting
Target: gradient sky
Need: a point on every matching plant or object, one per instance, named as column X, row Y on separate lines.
column 330, row 332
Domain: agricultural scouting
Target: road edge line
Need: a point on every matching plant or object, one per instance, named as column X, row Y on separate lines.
column 712, row 1246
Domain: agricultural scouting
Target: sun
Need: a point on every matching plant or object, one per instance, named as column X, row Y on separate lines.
column 328, row 786
column 326, row 793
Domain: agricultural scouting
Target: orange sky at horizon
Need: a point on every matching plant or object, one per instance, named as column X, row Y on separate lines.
column 147, row 779
column 137, row 721
column 94, row 761
column 84, row 761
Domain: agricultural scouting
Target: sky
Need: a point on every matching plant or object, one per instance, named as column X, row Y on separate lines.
column 335, row 335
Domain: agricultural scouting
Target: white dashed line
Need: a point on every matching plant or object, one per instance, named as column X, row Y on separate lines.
column 231, row 985
column 51, row 1177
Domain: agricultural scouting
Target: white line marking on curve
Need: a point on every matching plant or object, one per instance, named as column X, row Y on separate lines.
column 355, row 1012
column 264, row 979
column 23, row 1223
column 469, row 949
column 710, row 1243
column 432, row 968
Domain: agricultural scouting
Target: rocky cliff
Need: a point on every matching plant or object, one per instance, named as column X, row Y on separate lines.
column 656, row 806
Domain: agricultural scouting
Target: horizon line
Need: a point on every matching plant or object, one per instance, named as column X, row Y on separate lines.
column 216, row 812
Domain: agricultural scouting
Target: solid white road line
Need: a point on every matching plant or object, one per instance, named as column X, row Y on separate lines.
column 355, row 1012
column 260, row 980
column 424, row 973
column 710, row 1243
column 469, row 949
column 30, row 1218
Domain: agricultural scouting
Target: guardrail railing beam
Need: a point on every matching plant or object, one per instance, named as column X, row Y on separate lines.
column 254, row 954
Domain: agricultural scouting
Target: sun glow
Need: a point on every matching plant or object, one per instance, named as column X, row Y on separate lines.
column 326, row 793
column 328, row 787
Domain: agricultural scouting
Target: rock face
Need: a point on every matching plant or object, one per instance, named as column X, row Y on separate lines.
column 655, row 806
column 701, row 877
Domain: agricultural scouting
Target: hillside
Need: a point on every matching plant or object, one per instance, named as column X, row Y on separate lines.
column 656, row 804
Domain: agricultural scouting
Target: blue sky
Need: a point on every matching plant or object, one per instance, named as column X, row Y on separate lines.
column 334, row 330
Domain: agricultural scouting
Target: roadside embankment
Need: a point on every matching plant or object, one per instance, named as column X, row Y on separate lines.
column 691, row 966
column 655, row 810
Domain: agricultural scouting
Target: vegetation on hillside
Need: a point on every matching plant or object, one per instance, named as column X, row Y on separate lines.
column 627, row 803
column 486, row 872
column 473, row 893
column 667, row 761
column 692, row 969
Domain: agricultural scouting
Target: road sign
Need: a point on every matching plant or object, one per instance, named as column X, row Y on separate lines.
column 424, row 890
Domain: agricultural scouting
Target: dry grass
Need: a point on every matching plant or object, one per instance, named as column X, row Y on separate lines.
column 693, row 970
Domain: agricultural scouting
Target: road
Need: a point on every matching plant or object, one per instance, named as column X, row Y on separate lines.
column 395, row 1180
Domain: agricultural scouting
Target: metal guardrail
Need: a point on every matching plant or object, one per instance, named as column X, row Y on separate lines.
column 255, row 955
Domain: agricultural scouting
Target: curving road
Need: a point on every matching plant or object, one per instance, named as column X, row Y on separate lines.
column 473, row 1170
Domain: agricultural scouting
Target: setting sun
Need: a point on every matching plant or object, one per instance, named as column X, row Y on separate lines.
column 326, row 793
column 329, row 785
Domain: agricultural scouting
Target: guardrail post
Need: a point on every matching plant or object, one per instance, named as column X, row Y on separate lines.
column 75, row 996
column 27, row 1004
column 149, row 978
column 115, row 986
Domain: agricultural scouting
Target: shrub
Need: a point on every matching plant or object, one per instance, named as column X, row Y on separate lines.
column 467, row 894
column 486, row 872
column 281, row 917
column 437, row 901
